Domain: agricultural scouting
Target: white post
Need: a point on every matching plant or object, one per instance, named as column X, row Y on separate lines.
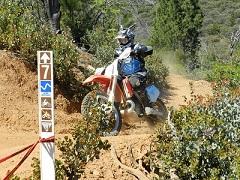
column 46, row 113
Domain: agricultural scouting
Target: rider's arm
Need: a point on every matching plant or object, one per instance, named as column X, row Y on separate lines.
column 117, row 53
column 142, row 50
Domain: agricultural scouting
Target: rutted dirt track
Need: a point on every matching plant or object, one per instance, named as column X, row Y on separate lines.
column 19, row 120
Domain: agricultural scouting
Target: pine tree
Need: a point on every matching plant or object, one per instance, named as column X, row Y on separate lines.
column 78, row 15
column 165, row 29
column 176, row 25
column 82, row 16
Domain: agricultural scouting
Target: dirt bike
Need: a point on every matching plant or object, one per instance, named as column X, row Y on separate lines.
column 116, row 96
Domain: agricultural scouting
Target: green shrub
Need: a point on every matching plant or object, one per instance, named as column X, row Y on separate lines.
column 202, row 142
column 36, row 173
column 102, row 44
column 213, row 29
column 201, row 150
column 83, row 146
column 229, row 73
column 225, row 107
column 157, row 71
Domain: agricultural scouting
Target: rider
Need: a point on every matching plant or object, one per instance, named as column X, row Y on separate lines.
column 133, row 67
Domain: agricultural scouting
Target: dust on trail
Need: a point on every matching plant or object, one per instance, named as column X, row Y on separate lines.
column 19, row 120
column 181, row 88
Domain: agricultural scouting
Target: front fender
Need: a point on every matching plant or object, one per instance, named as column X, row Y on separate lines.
column 105, row 81
column 101, row 79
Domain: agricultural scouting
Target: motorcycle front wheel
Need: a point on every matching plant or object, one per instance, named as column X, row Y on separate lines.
column 96, row 108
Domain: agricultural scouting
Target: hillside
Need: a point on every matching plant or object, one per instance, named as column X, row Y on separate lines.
column 19, row 120
column 221, row 17
column 199, row 142
column 19, row 111
column 221, row 20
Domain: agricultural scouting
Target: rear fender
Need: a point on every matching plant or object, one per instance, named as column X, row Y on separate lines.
column 105, row 82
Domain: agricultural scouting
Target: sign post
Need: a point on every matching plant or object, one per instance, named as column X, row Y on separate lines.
column 46, row 113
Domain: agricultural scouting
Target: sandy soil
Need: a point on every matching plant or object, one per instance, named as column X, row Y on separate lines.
column 19, row 120
column 182, row 88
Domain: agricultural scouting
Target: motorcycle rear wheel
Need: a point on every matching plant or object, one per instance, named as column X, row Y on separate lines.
column 109, row 120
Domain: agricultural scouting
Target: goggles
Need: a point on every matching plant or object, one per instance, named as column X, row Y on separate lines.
column 122, row 40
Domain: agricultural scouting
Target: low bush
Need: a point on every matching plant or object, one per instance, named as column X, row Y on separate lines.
column 201, row 142
column 36, row 173
column 102, row 44
column 229, row 73
column 76, row 151
column 157, row 70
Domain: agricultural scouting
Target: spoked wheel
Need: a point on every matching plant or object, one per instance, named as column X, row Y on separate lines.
column 95, row 106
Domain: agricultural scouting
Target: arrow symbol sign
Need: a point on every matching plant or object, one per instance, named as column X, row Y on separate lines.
column 45, row 58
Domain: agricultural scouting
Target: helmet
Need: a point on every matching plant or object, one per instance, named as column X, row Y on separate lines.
column 125, row 36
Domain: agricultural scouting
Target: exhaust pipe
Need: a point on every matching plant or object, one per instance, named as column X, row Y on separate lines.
column 132, row 106
column 130, row 109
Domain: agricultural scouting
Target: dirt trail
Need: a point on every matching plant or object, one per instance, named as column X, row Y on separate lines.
column 139, row 137
column 182, row 87
column 19, row 120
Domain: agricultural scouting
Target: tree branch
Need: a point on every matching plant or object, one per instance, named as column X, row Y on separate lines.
column 137, row 173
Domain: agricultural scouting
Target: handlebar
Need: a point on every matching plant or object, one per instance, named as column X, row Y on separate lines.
column 132, row 26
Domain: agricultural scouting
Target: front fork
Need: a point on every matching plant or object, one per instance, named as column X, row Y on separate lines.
column 112, row 89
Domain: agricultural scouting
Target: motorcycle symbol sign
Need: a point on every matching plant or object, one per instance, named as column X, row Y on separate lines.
column 46, row 102
column 46, row 114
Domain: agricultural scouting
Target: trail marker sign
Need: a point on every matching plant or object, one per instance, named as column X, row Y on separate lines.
column 46, row 113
